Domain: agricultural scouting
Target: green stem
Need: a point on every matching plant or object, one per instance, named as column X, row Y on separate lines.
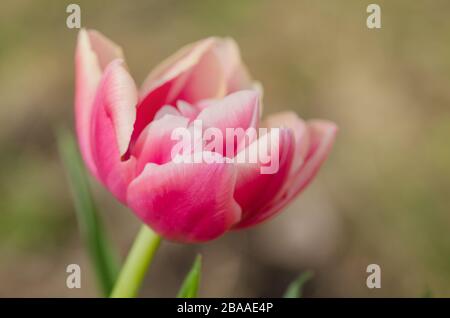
column 138, row 260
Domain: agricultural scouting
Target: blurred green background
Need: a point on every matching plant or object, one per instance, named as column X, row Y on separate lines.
column 382, row 197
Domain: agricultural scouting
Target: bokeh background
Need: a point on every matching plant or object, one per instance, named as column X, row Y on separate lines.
column 382, row 197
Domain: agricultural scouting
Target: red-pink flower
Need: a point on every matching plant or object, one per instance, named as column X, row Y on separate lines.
column 125, row 134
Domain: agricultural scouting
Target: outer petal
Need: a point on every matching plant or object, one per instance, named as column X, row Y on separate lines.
column 112, row 120
column 321, row 138
column 186, row 202
column 255, row 190
column 120, row 96
column 322, row 134
column 93, row 52
column 105, row 49
column 298, row 126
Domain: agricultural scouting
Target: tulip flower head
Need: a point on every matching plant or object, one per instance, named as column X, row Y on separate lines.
column 188, row 151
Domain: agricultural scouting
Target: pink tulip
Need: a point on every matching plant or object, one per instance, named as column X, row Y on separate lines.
column 125, row 138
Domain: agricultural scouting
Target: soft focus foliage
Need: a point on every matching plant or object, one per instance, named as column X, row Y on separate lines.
column 189, row 288
column 295, row 289
column 103, row 258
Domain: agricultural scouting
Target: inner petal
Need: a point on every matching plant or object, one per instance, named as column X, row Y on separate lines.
column 157, row 141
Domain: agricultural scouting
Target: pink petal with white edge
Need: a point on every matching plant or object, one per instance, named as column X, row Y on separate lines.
column 237, row 110
column 206, row 80
column 236, row 74
column 321, row 138
column 186, row 202
column 166, row 110
column 155, row 143
column 298, row 126
column 105, row 49
column 254, row 189
column 120, row 101
column 210, row 68
column 93, row 52
column 112, row 122
column 322, row 134
column 187, row 110
column 165, row 83
column 178, row 63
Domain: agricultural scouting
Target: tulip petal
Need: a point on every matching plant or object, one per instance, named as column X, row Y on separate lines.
column 237, row 110
column 120, row 96
column 155, row 142
column 298, row 126
column 166, row 110
column 180, row 62
column 236, row 74
column 187, row 202
column 105, row 49
column 164, row 85
column 321, row 134
column 321, row 138
column 255, row 189
column 207, row 69
column 112, row 122
column 206, row 80
column 93, row 52
column 187, row 110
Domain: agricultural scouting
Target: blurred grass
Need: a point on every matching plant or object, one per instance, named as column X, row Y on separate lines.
column 102, row 254
column 295, row 289
column 189, row 287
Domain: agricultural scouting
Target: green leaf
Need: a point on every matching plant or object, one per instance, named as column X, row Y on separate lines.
column 295, row 288
column 102, row 256
column 191, row 282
